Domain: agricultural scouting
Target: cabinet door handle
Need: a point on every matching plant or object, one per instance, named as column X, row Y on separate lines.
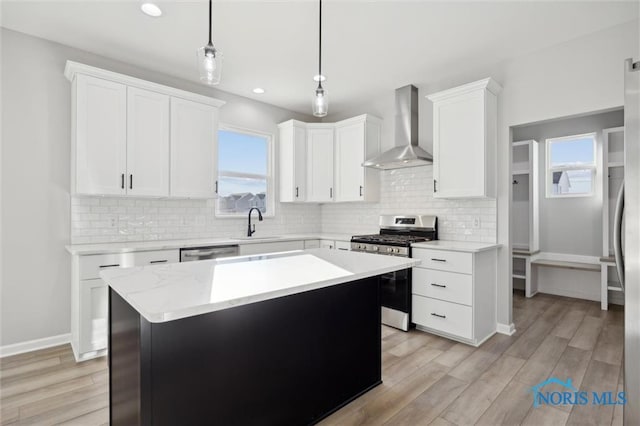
column 216, row 187
column 158, row 261
column 438, row 285
column 297, row 192
column 438, row 260
column 122, row 181
column 130, row 181
column 361, row 190
column 330, row 192
column 435, row 182
column 438, row 315
column 109, row 266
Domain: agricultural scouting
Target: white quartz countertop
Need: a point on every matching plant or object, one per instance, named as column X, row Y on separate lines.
column 168, row 292
column 464, row 246
column 132, row 246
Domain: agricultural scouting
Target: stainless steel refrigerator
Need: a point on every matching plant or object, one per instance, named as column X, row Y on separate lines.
column 629, row 263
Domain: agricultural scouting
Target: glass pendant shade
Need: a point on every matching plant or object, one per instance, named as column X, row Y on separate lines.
column 210, row 64
column 320, row 102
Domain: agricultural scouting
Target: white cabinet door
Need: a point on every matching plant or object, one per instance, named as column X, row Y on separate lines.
column 349, row 158
column 459, row 149
column 293, row 160
column 100, row 117
column 320, row 164
column 93, row 315
column 193, row 145
column 147, row 143
column 464, row 140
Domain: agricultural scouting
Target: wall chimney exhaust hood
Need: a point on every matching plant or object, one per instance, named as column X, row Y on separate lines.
column 407, row 153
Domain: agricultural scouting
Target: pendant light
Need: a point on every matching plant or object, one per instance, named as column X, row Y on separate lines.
column 210, row 60
column 320, row 99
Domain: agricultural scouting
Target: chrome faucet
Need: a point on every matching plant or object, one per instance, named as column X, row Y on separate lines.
column 250, row 230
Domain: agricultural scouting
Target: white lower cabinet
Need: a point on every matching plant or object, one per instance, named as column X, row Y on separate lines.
column 454, row 294
column 90, row 296
column 309, row 244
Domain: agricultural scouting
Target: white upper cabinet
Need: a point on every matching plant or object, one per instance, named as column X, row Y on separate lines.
column 357, row 138
column 147, row 143
column 320, row 163
column 99, row 131
column 293, row 158
column 194, row 134
column 464, row 140
column 132, row 137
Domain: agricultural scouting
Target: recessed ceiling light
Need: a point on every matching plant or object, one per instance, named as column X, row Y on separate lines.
column 319, row 77
column 151, row 9
column 258, row 90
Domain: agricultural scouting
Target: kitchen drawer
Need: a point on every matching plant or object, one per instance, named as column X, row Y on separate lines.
column 445, row 317
column 142, row 258
column 309, row 244
column 90, row 266
column 343, row 245
column 449, row 286
column 452, row 261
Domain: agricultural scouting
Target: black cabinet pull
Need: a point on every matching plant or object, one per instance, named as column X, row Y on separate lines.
column 438, row 260
column 109, row 266
column 158, row 261
column 216, row 187
column 438, row 285
column 122, row 181
column 296, row 192
column 438, row 315
column 434, row 185
column 330, row 192
column 130, row 181
column 361, row 190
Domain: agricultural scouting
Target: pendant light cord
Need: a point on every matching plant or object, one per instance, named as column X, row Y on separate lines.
column 210, row 1
column 320, row 48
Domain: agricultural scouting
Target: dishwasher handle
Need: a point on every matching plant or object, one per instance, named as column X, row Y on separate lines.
column 211, row 253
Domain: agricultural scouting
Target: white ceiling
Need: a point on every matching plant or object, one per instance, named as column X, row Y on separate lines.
column 369, row 47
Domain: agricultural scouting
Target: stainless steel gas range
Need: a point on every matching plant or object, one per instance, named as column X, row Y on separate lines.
column 397, row 233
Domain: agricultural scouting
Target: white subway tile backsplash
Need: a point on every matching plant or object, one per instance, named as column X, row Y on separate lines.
column 114, row 219
column 410, row 191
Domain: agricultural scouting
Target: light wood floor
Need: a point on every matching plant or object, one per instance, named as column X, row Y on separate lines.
column 427, row 379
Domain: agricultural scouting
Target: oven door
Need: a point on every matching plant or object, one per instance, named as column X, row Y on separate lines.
column 395, row 290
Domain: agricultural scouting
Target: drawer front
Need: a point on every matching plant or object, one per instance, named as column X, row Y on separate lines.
column 156, row 257
column 343, row 245
column 308, row 244
column 452, row 261
column 449, row 286
column 90, row 266
column 446, row 317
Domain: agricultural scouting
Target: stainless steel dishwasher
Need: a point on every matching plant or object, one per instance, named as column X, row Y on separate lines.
column 204, row 253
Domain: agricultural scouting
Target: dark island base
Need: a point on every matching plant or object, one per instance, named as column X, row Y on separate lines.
column 287, row 361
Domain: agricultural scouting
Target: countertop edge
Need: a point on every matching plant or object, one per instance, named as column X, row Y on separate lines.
column 77, row 250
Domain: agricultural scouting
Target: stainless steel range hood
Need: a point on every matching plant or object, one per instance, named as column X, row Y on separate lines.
column 407, row 153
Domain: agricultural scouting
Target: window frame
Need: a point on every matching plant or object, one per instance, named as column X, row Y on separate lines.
column 549, row 170
column 271, row 204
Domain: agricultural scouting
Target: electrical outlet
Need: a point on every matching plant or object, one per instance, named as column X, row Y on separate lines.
column 476, row 222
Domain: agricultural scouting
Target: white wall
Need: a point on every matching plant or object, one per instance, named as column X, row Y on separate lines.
column 35, row 179
column 570, row 225
column 577, row 77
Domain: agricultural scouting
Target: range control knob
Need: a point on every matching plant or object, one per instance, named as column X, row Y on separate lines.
column 374, row 248
column 389, row 249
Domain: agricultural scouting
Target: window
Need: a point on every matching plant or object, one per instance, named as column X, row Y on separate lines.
column 571, row 166
column 244, row 172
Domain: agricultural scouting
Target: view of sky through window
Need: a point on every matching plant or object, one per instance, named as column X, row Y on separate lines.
column 565, row 157
column 242, row 172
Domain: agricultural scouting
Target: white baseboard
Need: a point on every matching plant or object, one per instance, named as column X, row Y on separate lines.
column 34, row 345
column 507, row 329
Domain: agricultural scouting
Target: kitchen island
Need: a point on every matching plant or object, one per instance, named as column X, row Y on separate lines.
column 280, row 339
